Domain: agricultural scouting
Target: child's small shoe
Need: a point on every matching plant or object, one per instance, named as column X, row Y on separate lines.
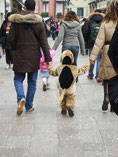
column 48, row 85
column 44, row 87
column 70, row 111
column 63, row 112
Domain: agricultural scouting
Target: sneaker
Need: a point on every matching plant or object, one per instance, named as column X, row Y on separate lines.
column 105, row 105
column 63, row 112
column 89, row 77
column 48, row 85
column 70, row 111
column 7, row 66
column 44, row 87
column 30, row 110
column 98, row 80
column 20, row 106
column 11, row 66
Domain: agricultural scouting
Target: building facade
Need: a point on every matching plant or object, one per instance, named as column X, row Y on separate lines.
column 52, row 7
column 80, row 7
column 5, row 6
column 98, row 4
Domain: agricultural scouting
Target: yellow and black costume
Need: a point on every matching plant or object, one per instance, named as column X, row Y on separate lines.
column 67, row 74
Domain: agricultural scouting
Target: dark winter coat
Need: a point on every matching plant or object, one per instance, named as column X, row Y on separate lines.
column 27, row 36
column 113, row 82
column 113, row 50
column 3, row 36
column 86, row 28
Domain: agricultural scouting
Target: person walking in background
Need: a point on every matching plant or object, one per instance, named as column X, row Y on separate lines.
column 47, row 28
column 103, row 41
column 58, row 28
column 53, row 30
column 90, row 31
column 44, row 74
column 5, row 28
column 71, row 36
column 27, row 36
column 83, row 21
column 82, row 24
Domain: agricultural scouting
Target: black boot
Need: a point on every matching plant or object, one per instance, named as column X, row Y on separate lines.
column 44, row 87
column 63, row 112
column 111, row 109
column 105, row 105
column 70, row 112
column 106, row 97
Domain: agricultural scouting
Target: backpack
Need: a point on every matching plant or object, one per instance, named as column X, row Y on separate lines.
column 94, row 31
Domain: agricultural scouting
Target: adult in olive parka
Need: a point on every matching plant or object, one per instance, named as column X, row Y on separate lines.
column 27, row 36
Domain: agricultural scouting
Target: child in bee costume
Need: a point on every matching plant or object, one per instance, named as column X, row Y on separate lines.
column 67, row 74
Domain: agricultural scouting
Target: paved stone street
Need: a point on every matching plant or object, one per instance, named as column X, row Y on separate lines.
column 45, row 132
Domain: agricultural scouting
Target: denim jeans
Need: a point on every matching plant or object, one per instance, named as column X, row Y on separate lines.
column 74, row 50
column 97, row 66
column 18, row 82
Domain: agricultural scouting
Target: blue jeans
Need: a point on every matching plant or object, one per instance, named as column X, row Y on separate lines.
column 74, row 50
column 97, row 66
column 18, row 82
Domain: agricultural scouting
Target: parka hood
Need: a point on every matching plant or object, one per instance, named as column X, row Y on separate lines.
column 71, row 24
column 97, row 17
column 26, row 17
column 67, row 53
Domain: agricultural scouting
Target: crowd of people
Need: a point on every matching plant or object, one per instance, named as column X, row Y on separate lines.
column 24, row 39
column 52, row 27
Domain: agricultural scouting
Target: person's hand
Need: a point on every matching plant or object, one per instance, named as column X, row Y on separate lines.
column 92, row 62
column 48, row 63
column 89, row 63
column 8, row 18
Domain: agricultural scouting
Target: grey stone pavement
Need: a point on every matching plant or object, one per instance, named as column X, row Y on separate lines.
column 45, row 132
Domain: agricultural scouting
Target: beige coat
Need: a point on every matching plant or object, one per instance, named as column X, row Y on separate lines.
column 105, row 34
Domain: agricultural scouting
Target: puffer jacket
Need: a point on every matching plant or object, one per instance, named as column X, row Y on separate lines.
column 86, row 28
column 105, row 35
column 3, row 36
column 43, row 65
column 27, row 36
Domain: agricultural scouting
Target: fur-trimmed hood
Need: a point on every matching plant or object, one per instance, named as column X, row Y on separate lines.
column 67, row 53
column 97, row 17
column 26, row 17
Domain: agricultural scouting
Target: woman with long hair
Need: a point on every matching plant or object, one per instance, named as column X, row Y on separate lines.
column 103, row 41
column 71, row 35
